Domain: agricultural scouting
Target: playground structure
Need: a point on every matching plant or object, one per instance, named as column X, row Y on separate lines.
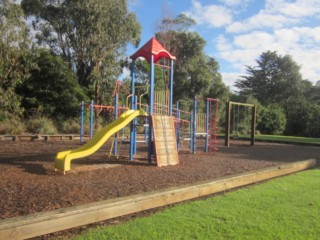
column 163, row 143
column 231, row 105
column 201, row 123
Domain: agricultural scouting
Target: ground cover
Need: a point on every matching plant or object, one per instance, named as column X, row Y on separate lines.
column 284, row 208
column 279, row 139
column 289, row 139
column 29, row 184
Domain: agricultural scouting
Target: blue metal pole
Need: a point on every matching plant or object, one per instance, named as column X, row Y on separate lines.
column 81, row 121
column 91, row 119
column 195, row 125
column 171, row 88
column 151, row 105
column 207, row 124
column 132, row 107
column 146, row 128
column 134, row 126
column 115, row 116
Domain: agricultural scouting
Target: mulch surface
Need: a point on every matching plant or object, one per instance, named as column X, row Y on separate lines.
column 29, row 183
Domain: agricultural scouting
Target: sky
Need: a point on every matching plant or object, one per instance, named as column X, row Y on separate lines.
column 237, row 32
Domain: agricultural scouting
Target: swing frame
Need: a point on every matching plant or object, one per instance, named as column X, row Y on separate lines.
column 229, row 105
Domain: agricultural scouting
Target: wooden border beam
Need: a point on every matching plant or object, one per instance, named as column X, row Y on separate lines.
column 47, row 222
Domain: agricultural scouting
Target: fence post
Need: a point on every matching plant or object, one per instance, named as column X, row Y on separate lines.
column 81, row 121
column 91, row 119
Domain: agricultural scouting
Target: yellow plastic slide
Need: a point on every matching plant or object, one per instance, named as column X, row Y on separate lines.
column 63, row 159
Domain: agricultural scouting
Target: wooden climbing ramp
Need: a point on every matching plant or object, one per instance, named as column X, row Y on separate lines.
column 165, row 140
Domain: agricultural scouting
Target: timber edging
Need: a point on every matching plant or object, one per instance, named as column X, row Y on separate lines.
column 48, row 222
column 40, row 137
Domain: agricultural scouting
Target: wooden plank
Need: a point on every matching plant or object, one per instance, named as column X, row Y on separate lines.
column 161, row 138
column 57, row 220
column 163, row 150
column 167, row 156
column 165, row 140
column 39, row 137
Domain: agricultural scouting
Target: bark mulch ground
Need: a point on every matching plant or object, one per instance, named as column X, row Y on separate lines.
column 29, row 184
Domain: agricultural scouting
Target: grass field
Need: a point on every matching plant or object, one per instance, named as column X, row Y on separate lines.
column 289, row 139
column 280, row 138
column 284, row 208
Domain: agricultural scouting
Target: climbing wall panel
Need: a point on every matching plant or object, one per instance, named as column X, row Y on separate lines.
column 165, row 140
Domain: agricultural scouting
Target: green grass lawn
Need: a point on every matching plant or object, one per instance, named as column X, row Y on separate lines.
column 283, row 208
column 280, row 138
column 288, row 139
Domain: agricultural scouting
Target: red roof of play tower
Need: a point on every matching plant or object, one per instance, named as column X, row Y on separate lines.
column 152, row 47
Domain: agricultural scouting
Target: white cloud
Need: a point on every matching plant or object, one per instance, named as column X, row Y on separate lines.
column 237, row 6
column 302, row 43
column 287, row 36
column 230, row 79
column 309, row 62
column 239, row 58
column 222, row 43
column 297, row 9
column 262, row 20
column 210, row 15
column 277, row 14
column 231, row 2
column 286, row 26
column 253, row 40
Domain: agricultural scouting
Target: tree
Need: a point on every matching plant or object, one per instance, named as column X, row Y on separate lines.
column 271, row 120
column 89, row 34
column 190, row 69
column 193, row 70
column 14, row 62
column 142, row 74
column 51, row 90
column 169, row 26
column 276, row 79
column 312, row 120
column 217, row 88
column 312, row 93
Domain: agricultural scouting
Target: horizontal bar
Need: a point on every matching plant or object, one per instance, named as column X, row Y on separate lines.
column 242, row 104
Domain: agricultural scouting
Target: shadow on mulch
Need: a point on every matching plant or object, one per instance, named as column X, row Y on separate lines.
column 34, row 163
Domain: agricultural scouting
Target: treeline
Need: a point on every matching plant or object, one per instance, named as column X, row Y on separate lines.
column 72, row 51
column 287, row 103
column 55, row 54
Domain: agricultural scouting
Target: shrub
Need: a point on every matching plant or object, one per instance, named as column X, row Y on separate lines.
column 2, row 115
column 51, row 87
column 70, row 126
column 11, row 126
column 271, row 120
column 41, row 125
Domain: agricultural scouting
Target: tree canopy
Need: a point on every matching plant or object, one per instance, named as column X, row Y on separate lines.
column 193, row 70
column 275, row 79
column 90, row 34
column 76, row 50
column 51, row 90
column 14, row 51
column 275, row 82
